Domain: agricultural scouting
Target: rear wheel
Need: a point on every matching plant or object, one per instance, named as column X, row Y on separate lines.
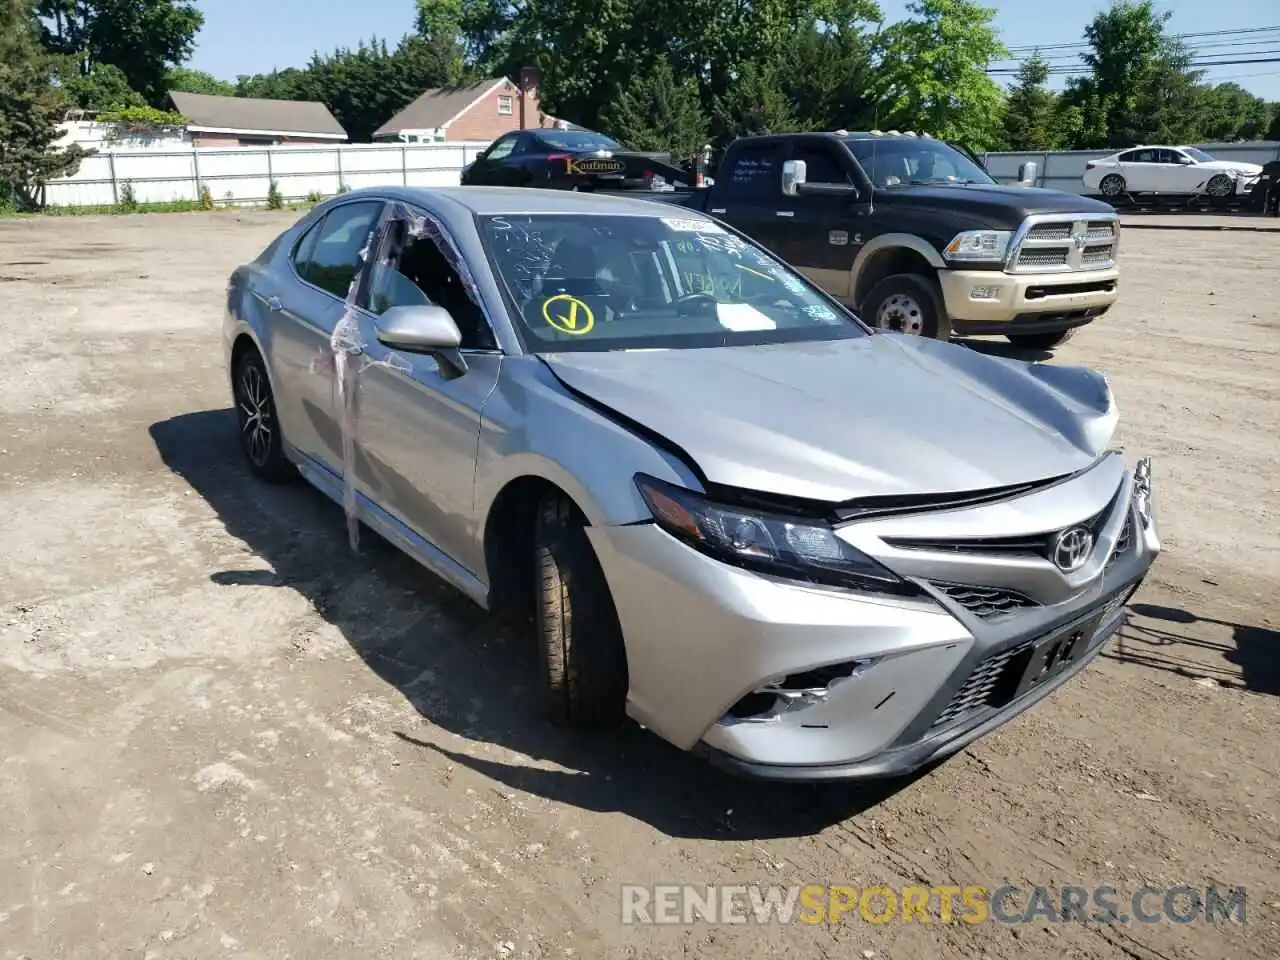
column 1113, row 185
column 580, row 646
column 905, row 303
column 1040, row 341
column 260, row 438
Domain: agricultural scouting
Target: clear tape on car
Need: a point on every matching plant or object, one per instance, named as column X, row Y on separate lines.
column 346, row 359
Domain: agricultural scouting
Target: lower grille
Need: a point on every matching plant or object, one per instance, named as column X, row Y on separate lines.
column 985, row 602
column 981, row 685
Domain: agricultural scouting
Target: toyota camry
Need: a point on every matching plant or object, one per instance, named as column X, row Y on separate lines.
column 721, row 504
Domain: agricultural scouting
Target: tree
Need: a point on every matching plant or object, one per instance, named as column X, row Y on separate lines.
column 829, row 74
column 30, row 108
column 757, row 102
column 932, row 73
column 287, row 84
column 660, row 112
column 141, row 37
column 105, row 87
column 1227, row 111
column 1140, row 86
column 197, row 81
column 1033, row 117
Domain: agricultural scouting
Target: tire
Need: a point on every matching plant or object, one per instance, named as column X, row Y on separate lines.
column 259, row 428
column 580, row 647
column 1113, row 185
column 906, row 303
column 1220, row 186
column 1040, row 341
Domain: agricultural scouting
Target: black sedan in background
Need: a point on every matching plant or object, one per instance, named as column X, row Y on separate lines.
column 570, row 160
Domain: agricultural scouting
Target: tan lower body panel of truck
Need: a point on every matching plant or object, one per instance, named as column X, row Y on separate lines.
column 991, row 302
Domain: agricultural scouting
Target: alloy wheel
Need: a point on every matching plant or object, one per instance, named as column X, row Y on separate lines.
column 257, row 425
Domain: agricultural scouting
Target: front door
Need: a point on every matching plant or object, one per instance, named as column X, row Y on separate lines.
column 416, row 426
column 324, row 264
column 826, row 231
column 489, row 169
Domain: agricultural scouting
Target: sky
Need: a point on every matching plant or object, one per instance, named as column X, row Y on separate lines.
column 233, row 40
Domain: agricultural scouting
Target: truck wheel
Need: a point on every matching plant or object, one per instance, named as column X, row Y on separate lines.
column 580, row 646
column 905, row 303
column 1113, row 185
column 1040, row 341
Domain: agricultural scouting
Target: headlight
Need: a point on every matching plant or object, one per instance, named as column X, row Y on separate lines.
column 792, row 547
column 979, row 246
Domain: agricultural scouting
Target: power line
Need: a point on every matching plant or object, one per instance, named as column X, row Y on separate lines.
column 1194, row 65
column 1208, row 49
column 1032, row 47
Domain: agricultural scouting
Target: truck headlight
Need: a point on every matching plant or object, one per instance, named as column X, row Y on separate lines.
column 979, row 246
column 792, row 547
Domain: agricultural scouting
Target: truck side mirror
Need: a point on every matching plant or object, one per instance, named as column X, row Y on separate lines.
column 1027, row 174
column 793, row 174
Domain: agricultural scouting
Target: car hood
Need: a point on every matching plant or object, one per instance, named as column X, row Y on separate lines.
column 1239, row 166
column 880, row 415
column 995, row 202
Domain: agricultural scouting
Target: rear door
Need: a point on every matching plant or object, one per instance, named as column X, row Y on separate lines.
column 748, row 194
column 1142, row 170
column 323, row 264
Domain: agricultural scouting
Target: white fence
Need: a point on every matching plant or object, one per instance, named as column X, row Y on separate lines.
column 1062, row 169
column 244, row 174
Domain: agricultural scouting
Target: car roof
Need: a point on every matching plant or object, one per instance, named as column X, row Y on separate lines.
column 490, row 201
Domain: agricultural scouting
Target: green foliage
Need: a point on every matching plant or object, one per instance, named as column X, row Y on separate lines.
column 313, row 198
column 274, row 200
column 128, row 198
column 932, row 73
column 140, row 121
column 141, row 37
column 104, row 87
column 197, row 81
column 206, row 197
column 660, row 112
column 30, row 108
column 1034, row 118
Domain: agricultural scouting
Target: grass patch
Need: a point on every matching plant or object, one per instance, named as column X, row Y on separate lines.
column 167, row 206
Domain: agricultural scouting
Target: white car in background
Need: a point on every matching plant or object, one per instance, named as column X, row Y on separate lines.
column 1174, row 170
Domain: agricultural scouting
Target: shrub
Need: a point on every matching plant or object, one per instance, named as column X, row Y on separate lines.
column 274, row 200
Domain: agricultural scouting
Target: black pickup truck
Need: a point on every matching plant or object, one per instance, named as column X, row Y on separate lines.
column 916, row 236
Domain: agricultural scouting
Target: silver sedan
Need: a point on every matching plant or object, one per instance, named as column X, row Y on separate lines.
column 732, row 512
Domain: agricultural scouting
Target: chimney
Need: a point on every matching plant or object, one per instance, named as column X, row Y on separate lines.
column 530, row 81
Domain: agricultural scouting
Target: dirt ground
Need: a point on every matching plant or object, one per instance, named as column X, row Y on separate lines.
column 225, row 736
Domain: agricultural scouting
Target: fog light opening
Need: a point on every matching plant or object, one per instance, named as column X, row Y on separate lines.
column 795, row 691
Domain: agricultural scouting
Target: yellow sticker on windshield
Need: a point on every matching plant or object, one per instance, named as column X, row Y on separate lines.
column 568, row 314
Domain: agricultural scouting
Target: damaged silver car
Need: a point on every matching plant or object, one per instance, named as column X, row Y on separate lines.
column 731, row 511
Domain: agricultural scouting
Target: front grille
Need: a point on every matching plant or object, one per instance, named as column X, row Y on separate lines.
column 985, row 602
column 1036, row 257
column 980, row 687
column 1065, row 246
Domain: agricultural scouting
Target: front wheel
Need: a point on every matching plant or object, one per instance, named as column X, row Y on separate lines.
column 580, row 646
column 1040, row 341
column 905, row 303
column 1220, row 186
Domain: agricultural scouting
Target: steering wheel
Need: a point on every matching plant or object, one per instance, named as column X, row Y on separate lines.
column 699, row 298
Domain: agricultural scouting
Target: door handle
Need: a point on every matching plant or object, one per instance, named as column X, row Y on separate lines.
column 275, row 304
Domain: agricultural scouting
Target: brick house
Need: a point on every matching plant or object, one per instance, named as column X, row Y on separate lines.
column 244, row 121
column 476, row 111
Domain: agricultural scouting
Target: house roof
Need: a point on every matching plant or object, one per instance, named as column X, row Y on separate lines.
column 212, row 114
column 440, row 107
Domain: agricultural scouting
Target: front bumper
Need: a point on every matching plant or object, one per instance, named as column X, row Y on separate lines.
column 703, row 638
column 986, row 300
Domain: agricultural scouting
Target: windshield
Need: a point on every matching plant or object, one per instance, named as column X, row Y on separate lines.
column 577, row 140
column 1199, row 156
column 894, row 162
column 619, row 282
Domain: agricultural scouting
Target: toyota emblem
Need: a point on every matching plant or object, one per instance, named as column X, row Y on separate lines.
column 1071, row 548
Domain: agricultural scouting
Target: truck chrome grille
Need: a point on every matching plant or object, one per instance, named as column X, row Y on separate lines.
column 1064, row 245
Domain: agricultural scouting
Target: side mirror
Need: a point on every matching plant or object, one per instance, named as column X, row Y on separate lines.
column 426, row 329
column 1027, row 174
column 793, row 174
